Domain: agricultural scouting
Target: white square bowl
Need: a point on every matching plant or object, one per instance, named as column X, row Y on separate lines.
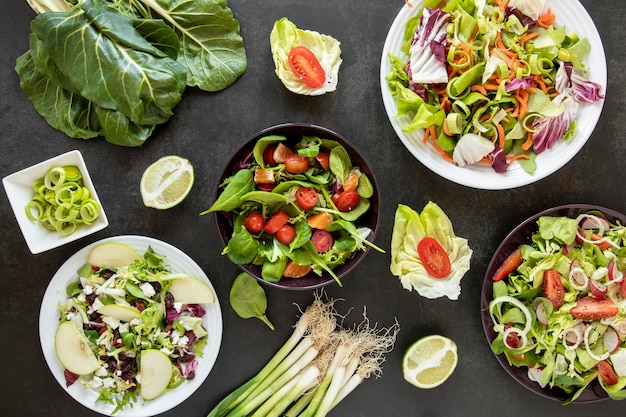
column 19, row 189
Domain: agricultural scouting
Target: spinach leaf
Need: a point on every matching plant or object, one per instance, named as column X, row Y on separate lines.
column 239, row 185
column 355, row 213
column 365, row 189
column 273, row 271
column 307, row 255
column 340, row 162
column 303, row 234
column 262, row 144
column 212, row 48
column 248, row 298
column 242, row 247
column 273, row 200
column 359, row 235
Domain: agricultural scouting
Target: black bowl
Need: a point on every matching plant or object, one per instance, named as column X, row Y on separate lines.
column 522, row 234
column 294, row 132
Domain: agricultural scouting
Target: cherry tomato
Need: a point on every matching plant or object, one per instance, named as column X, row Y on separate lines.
column 286, row 234
column 322, row 240
column 306, row 67
column 268, row 156
column 306, row 197
column 434, row 257
column 323, row 158
column 297, row 164
column 346, row 200
column 278, row 220
column 254, row 223
column 553, row 287
column 606, row 372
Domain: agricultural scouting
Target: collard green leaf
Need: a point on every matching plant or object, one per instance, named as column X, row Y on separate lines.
column 211, row 44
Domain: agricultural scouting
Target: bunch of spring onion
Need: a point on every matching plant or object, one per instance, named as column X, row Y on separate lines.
column 318, row 366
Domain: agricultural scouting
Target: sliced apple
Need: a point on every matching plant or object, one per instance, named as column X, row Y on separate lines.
column 123, row 313
column 72, row 349
column 112, row 255
column 156, row 372
column 189, row 290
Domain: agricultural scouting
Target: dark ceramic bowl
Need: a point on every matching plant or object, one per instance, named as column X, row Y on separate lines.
column 522, row 234
column 293, row 133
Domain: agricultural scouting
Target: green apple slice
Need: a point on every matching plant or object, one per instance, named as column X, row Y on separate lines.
column 156, row 372
column 72, row 349
column 189, row 290
column 123, row 313
column 112, row 255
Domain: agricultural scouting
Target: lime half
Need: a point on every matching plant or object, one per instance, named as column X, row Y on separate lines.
column 428, row 362
column 166, row 182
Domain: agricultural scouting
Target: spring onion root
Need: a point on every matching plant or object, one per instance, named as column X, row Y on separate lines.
column 318, row 366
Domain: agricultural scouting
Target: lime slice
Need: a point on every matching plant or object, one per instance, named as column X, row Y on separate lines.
column 428, row 362
column 166, row 182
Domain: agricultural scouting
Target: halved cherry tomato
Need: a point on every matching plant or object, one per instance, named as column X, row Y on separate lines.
column 509, row 265
column 306, row 67
column 286, row 234
column 623, row 288
column 607, row 373
column 596, row 238
column 323, row 158
column 254, row 222
column 268, row 156
column 306, row 197
column 434, row 257
column 297, row 164
column 553, row 287
column 322, row 240
column 346, row 200
column 278, row 220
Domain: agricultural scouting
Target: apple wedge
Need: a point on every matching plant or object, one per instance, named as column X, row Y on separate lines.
column 112, row 255
column 72, row 349
column 156, row 372
column 122, row 313
column 189, row 290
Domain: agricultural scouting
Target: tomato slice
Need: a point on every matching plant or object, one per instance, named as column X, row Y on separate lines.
column 306, row 197
column 607, row 373
column 307, row 68
column 346, row 200
column 509, row 265
column 323, row 158
column 254, row 222
column 434, row 257
column 278, row 220
column 553, row 287
column 268, row 156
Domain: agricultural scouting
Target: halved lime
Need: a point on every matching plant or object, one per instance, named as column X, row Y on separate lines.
column 428, row 362
column 166, row 182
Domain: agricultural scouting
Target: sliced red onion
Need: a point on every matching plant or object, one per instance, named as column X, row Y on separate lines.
column 573, row 336
column 614, row 274
column 588, row 348
column 589, row 221
column 597, row 289
column 522, row 337
column 534, row 374
column 611, row 339
column 578, row 280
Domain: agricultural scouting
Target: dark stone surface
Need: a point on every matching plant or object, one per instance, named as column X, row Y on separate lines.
column 207, row 128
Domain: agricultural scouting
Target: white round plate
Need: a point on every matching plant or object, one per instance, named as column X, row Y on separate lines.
column 49, row 319
column 569, row 13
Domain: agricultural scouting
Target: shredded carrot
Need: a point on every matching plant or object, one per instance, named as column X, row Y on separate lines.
column 445, row 104
column 528, row 36
column 512, row 158
column 426, row 135
column 504, row 49
column 479, row 88
column 443, row 153
column 446, row 131
column 490, row 86
column 408, row 3
column 433, row 132
column 547, row 19
column 501, row 135
column 528, row 142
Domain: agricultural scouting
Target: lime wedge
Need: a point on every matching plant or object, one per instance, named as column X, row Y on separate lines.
column 166, row 182
column 428, row 362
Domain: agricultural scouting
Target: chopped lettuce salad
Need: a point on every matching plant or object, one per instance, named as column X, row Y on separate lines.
column 285, row 36
column 409, row 228
column 562, row 312
column 122, row 313
column 490, row 82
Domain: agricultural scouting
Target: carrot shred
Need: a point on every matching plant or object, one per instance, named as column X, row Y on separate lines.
column 501, row 135
column 408, row 3
column 446, row 131
column 528, row 142
column 426, row 135
column 547, row 19
column 528, row 36
column 443, row 153
column 512, row 158
column 479, row 88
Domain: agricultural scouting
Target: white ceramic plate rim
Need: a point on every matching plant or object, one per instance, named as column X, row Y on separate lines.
column 19, row 189
column 569, row 13
column 49, row 318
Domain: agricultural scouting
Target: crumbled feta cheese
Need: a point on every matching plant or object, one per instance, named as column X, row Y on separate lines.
column 97, row 304
column 619, row 362
column 87, row 289
column 124, row 327
column 108, row 382
column 147, row 289
column 178, row 306
column 175, row 335
column 95, row 382
column 183, row 341
column 102, row 371
column 138, row 378
column 70, row 315
column 81, row 297
column 135, row 322
column 166, row 351
column 113, row 322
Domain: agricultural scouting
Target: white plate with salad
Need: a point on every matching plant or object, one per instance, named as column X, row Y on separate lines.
column 553, row 304
column 473, row 165
column 176, row 262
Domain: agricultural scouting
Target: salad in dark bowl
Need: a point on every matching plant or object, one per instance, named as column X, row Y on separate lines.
column 553, row 303
column 297, row 207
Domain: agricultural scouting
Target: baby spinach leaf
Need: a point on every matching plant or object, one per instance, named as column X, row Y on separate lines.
column 340, row 163
column 273, row 200
column 303, row 234
column 365, row 189
column 239, row 185
column 262, row 144
column 248, row 298
column 242, row 247
column 354, row 214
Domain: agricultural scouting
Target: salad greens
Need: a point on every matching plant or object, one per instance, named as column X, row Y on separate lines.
column 248, row 298
column 126, row 311
column 266, row 188
column 562, row 312
column 409, row 228
column 284, row 36
column 485, row 69
column 136, row 59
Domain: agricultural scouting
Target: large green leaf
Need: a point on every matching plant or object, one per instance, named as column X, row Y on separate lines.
column 211, row 44
column 144, row 86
